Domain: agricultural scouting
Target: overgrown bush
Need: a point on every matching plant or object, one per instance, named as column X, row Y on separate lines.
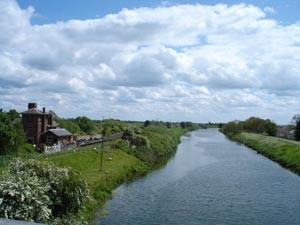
column 24, row 197
column 41, row 186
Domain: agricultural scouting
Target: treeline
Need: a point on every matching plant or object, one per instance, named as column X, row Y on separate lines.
column 253, row 124
column 12, row 136
column 80, row 125
column 184, row 124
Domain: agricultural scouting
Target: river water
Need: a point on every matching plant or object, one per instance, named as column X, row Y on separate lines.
column 209, row 181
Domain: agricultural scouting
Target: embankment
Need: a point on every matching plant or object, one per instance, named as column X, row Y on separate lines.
column 121, row 162
column 286, row 153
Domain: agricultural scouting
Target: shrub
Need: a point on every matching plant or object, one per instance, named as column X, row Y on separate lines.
column 24, row 197
column 40, row 186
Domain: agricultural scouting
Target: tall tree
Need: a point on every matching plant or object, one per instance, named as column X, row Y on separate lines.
column 296, row 122
column 7, row 134
column 86, row 124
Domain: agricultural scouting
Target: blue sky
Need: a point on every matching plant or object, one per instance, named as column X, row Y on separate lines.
column 57, row 10
column 136, row 60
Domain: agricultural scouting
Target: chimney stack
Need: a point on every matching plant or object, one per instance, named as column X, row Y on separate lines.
column 32, row 105
column 44, row 110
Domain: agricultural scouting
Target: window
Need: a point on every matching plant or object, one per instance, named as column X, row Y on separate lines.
column 49, row 139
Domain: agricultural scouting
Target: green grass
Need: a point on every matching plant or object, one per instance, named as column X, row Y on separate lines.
column 86, row 162
column 127, row 163
column 285, row 153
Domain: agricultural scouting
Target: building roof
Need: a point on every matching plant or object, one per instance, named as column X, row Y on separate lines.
column 60, row 132
column 33, row 111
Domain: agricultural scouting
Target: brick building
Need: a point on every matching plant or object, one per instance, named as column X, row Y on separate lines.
column 36, row 122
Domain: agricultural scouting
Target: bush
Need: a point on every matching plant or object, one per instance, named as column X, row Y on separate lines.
column 41, row 187
column 24, row 197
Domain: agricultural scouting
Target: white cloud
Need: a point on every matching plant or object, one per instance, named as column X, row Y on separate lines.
column 183, row 62
column 269, row 10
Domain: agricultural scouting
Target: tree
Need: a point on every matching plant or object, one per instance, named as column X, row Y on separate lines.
column 270, row 127
column 296, row 122
column 13, row 114
column 8, row 134
column 232, row 128
column 86, row 124
column 70, row 125
column 147, row 123
column 258, row 125
column 183, row 125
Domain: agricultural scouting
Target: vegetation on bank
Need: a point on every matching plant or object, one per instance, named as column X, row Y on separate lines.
column 143, row 146
column 282, row 151
column 258, row 134
column 38, row 191
column 253, row 124
column 12, row 136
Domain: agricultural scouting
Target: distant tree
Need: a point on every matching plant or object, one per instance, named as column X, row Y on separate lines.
column 168, row 124
column 189, row 125
column 296, row 122
column 70, row 125
column 270, row 127
column 255, row 124
column 86, row 124
column 232, row 128
column 147, row 123
column 183, row 125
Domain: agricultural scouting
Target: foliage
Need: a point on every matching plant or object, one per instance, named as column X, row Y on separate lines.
column 70, row 125
column 69, row 220
column 85, row 161
column 183, row 125
column 253, row 124
column 270, row 127
column 258, row 125
column 296, row 121
column 86, row 124
column 67, row 191
column 113, row 126
column 8, row 134
column 147, row 123
column 26, row 149
column 24, row 197
column 232, row 128
column 282, row 151
column 41, row 191
column 12, row 136
column 13, row 114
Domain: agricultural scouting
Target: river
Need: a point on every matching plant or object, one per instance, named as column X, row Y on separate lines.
column 210, row 181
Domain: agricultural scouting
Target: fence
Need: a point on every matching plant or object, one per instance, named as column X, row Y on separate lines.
column 52, row 149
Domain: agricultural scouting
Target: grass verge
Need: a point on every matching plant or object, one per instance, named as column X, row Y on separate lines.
column 285, row 153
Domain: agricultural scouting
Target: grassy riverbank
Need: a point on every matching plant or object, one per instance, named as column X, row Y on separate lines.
column 120, row 162
column 118, row 167
column 141, row 149
column 282, row 151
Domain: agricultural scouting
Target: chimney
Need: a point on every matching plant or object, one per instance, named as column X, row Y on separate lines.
column 32, row 105
column 44, row 110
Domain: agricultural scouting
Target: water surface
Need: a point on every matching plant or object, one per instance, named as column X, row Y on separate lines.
column 209, row 181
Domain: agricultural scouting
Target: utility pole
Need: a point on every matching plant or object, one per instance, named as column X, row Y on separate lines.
column 102, row 149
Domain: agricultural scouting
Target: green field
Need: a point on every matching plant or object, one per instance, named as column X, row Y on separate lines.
column 284, row 152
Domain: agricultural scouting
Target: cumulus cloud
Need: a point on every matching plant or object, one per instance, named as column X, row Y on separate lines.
column 183, row 62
